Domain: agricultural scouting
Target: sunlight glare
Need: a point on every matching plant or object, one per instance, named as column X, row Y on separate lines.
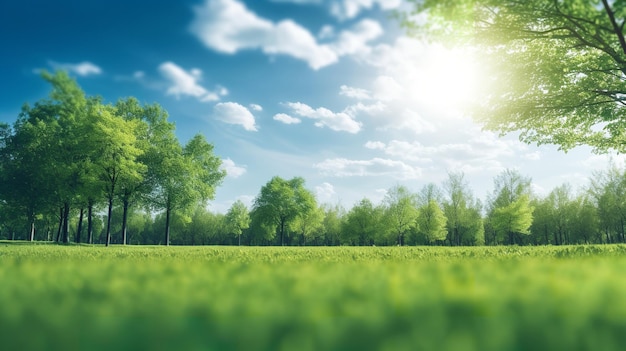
column 449, row 81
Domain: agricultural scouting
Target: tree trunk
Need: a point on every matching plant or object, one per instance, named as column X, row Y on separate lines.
column 282, row 232
column 31, row 232
column 108, row 236
column 239, row 237
column 124, row 220
column 90, row 222
column 60, row 225
column 66, row 223
column 167, row 226
column 79, row 230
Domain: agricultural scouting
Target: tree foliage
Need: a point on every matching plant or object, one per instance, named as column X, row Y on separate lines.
column 510, row 212
column 279, row 203
column 555, row 68
column 72, row 151
column 400, row 212
column 237, row 219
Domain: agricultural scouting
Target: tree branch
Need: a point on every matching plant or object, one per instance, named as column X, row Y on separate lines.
column 616, row 27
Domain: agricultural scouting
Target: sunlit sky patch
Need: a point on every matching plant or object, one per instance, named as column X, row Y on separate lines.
column 330, row 90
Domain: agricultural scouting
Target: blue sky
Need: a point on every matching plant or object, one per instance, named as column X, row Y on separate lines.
column 330, row 90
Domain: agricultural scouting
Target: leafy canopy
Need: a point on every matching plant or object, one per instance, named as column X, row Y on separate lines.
column 555, row 70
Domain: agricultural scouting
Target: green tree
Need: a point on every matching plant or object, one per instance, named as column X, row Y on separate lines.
column 556, row 68
column 585, row 226
column 465, row 225
column 542, row 229
column 564, row 210
column 309, row 224
column 431, row 222
column 333, row 218
column 363, row 224
column 509, row 209
column 182, row 177
column 279, row 203
column 24, row 184
column 70, row 154
column 608, row 190
column 116, row 159
column 237, row 219
column 400, row 211
column 513, row 219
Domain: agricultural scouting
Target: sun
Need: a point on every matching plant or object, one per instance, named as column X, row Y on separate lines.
column 449, row 79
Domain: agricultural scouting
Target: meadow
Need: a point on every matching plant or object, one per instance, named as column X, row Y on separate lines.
column 56, row 297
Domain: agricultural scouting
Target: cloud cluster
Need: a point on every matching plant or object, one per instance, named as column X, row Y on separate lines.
column 483, row 152
column 347, row 9
column 285, row 118
column 228, row 26
column 183, row 83
column 342, row 167
column 82, row 69
column 232, row 170
column 337, row 121
column 234, row 113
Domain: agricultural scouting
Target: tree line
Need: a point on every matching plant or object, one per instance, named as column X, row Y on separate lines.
column 71, row 157
column 76, row 169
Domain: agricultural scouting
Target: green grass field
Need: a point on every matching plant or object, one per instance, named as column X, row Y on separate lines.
column 343, row 298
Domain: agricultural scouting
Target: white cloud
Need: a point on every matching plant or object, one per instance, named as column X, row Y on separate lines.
column 342, row 167
column 337, row 121
column 375, row 145
column 234, row 113
column 325, row 192
column 186, row 83
column 326, row 32
column 386, row 88
column 347, row 9
column 229, row 26
column 532, row 156
column 355, row 41
column 256, row 107
column 478, row 154
column 355, row 93
column 83, row 69
column 285, row 118
column 232, row 170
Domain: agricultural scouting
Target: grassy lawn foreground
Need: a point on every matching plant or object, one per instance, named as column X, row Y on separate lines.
column 342, row 298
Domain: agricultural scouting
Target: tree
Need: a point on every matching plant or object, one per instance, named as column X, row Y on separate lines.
column 608, row 189
column 116, row 159
column 431, row 222
column 237, row 219
column 24, row 184
column 542, row 229
column 513, row 219
column 564, row 210
column 309, row 224
column 465, row 225
column 400, row 211
column 279, row 203
column 585, row 226
column 362, row 224
column 556, row 68
column 182, row 177
column 333, row 217
column 510, row 212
